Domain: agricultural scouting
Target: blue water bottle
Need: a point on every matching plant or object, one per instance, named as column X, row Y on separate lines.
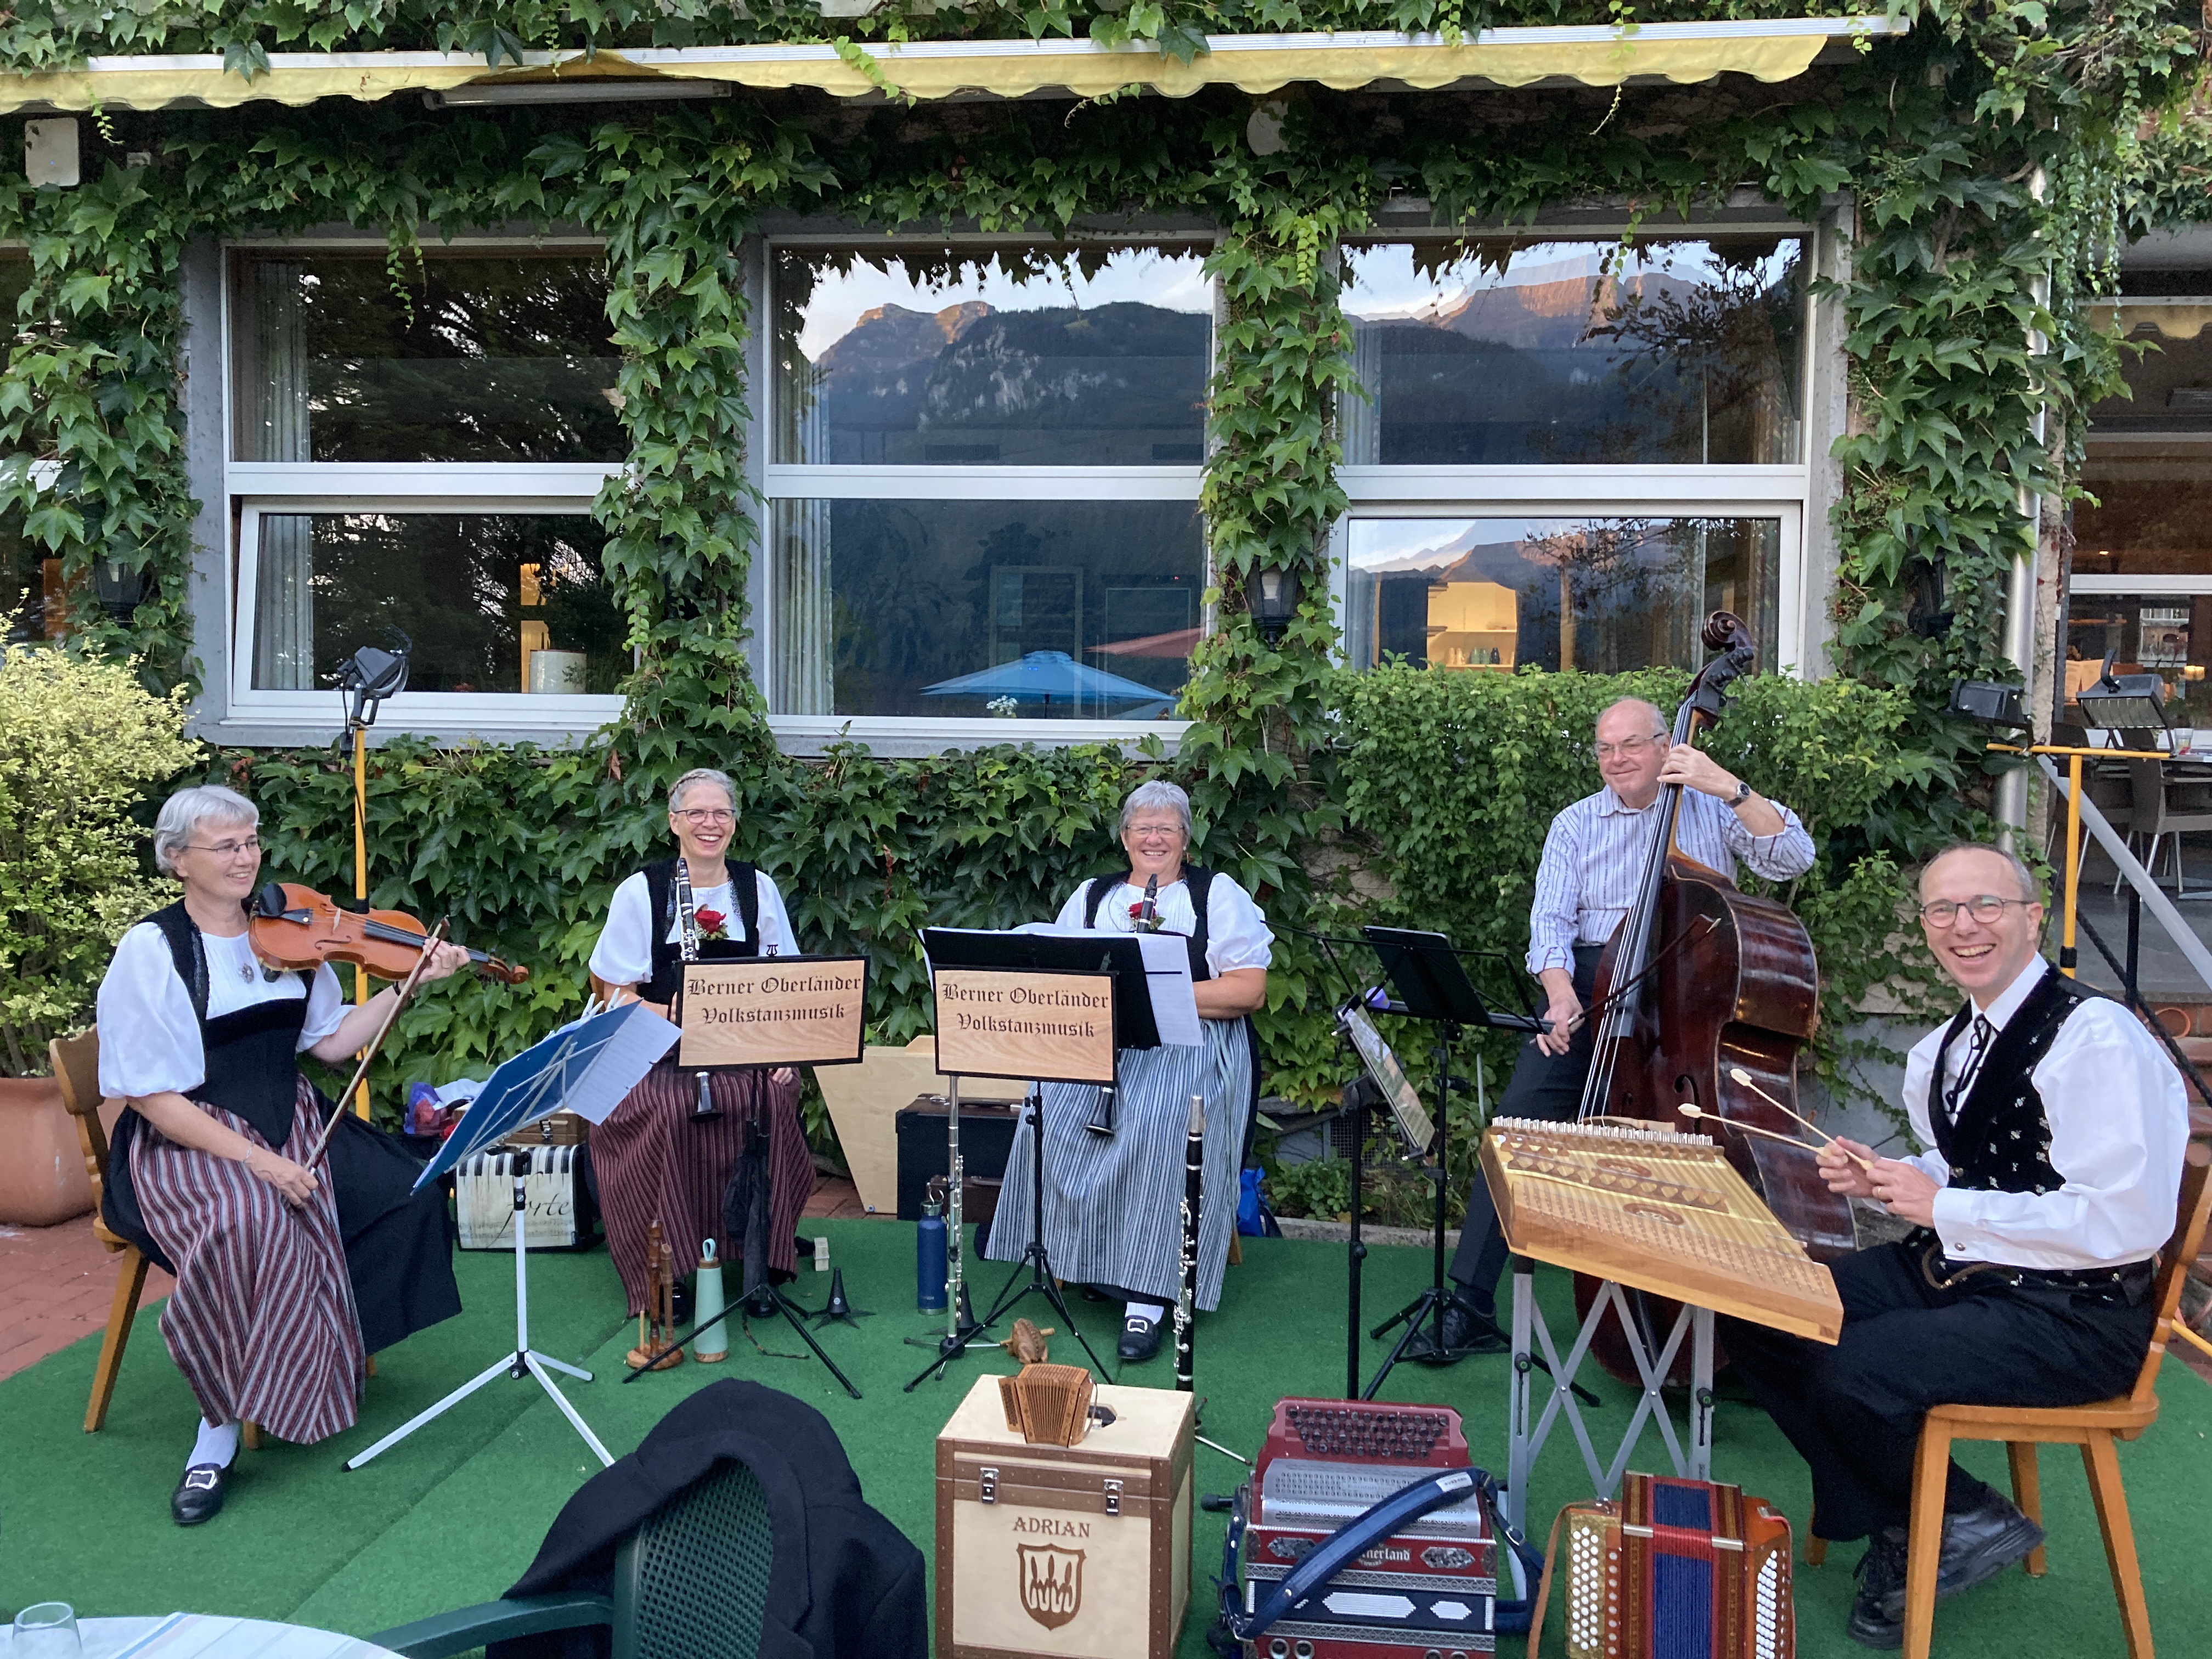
column 929, row 1260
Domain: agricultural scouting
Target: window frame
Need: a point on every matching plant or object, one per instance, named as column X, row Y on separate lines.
column 253, row 489
column 1165, row 481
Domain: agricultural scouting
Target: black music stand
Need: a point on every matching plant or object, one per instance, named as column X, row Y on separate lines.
column 1431, row 983
column 1123, row 959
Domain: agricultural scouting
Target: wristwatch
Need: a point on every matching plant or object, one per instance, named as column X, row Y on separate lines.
column 1742, row 794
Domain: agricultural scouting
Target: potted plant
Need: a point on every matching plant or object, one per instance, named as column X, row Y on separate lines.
column 82, row 743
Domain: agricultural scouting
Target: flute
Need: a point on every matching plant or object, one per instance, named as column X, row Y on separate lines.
column 1186, row 1313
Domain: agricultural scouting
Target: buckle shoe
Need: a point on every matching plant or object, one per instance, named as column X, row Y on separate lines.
column 1141, row 1338
column 199, row 1496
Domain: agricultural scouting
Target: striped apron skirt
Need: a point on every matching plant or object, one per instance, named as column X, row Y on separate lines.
column 654, row 1161
column 262, row 1321
column 1113, row 1203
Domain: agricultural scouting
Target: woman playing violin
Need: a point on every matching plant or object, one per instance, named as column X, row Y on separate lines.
column 289, row 1269
column 667, row 1153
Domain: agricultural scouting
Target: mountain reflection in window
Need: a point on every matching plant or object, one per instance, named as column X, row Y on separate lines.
column 453, row 358
column 1669, row 352
column 1089, row 356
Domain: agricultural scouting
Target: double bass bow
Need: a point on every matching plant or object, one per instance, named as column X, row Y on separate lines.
column 1702, row 981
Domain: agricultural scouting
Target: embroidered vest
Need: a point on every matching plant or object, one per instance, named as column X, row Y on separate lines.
column 1198, row 883
column 667, row 958
column 2001, row 1140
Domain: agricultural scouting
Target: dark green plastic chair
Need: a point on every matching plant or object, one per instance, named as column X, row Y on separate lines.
column 691, row 1582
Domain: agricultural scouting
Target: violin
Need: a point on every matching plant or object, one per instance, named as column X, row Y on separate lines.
column 296, row 927
column 1698, row 980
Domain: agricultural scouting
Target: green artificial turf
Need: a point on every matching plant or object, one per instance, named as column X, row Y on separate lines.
column 452, row 1515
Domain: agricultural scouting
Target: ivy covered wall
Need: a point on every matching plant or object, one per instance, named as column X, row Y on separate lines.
column 1983, row 154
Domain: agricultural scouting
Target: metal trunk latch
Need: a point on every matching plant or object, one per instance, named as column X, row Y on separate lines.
column 1113, row 1497
column 988, row 1481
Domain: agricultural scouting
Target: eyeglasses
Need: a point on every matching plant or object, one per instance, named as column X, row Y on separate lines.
column 226, row 849
column 1983, row 907
column 1149, row 831
column 1627, row 749
column 698, row 815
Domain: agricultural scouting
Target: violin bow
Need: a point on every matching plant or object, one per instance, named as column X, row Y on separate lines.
column 434, row 938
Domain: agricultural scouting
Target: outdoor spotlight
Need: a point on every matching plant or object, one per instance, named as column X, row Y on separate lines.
column 1987, row 702
column 372, row 675
column 1272, row 596
column 117, row 587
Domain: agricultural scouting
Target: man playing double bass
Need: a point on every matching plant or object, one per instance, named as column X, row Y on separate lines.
column 1587, row 881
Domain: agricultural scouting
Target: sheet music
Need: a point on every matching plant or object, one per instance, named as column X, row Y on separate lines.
column 1167, row 977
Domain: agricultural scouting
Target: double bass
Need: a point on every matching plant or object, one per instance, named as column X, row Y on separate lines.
column 1701, row 980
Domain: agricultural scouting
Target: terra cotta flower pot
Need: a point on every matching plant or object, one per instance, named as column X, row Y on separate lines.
column 42, row 1178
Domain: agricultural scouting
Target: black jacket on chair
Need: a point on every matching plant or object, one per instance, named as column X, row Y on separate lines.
column 845, row 1584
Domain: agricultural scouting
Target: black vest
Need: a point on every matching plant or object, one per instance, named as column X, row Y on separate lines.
column 2000, row 1142
column 1198, row 883
column 667, row 958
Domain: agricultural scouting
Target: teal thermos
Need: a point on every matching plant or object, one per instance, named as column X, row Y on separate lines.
column 714, row 1340
column 929, row 1263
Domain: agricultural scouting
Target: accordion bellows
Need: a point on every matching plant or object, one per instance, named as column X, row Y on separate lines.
column 1676, row 1568
column 1048, row 1405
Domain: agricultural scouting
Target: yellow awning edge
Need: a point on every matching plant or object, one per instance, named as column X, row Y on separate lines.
column 1684, row 53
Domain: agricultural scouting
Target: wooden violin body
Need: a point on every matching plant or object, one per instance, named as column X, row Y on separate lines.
column 293, row 927
column 1712, row 980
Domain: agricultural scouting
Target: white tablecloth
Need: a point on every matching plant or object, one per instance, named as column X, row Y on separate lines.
column 207, row 1636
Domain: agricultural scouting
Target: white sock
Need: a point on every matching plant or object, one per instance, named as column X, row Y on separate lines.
column 1151, row 1312
column 217, row 1445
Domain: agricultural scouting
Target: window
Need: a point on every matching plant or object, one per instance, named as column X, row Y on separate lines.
column 984, row 483
column 1601, row 594
column 1569, row 452
column 2141, row 586
column 414, row 455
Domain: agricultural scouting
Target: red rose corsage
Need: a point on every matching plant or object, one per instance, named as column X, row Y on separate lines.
column 711, row 924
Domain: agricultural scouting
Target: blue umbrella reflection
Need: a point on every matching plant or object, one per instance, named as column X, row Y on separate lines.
column 1047, row 678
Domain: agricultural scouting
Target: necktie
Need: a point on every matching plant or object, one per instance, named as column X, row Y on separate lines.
column 1969, row 1067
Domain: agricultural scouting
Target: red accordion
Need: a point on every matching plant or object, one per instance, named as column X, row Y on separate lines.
column 1423, row 1593
column 1675, row 1568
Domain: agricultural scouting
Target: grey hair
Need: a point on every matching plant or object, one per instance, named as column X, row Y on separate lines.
column 2029, row 888
column 721, row 780
column 1157, row 792
column 185, row 813
column 1659, row 726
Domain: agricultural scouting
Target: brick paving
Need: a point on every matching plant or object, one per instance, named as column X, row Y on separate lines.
column 55, row 1286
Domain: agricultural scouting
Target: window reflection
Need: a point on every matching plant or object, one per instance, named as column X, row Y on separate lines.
column 492, row 602
column 1087, row 356
column 965, row 608
column 1673, row 352
column 464, row 358
column 1602, row 595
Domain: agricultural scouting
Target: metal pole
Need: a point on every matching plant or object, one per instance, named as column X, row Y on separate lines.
column 2020, row 639
column 360, row 878
column 2067, row 957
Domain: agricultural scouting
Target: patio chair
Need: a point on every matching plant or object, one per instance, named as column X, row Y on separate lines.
column 2151, row 812
column 691, row 1582
column 2095, row 1428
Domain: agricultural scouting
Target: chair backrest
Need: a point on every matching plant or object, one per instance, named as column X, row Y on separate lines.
column 76, row 1069
column 2174, row 1262
column 691, row 1582
column 2147, row 790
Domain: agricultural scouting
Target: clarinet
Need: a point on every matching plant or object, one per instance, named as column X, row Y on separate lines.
column 1186, row 1313
column 1147, row 920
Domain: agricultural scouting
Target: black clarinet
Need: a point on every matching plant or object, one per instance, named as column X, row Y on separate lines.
column 1101, row 1121
column 1186, row 1313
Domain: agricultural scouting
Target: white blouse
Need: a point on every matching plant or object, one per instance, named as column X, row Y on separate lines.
column 624, row 954
column 149, row 1040
column 1237, row 933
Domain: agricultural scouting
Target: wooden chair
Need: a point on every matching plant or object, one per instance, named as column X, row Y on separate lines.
column 76, row 1069
column 2095, row 1428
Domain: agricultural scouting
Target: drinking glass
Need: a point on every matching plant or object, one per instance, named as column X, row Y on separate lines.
column 46, row 1630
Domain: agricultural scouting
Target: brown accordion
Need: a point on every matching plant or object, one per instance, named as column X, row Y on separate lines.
column 1675, row 1568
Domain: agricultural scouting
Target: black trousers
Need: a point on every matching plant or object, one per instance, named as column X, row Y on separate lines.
column 1853, row 1411
column 1544, row 1086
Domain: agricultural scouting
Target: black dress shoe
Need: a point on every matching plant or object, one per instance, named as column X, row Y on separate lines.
column 1881, row 1573
column 1141, row 1338
column 1978, row 1544
column 199, row 1496
column 1468, row 1330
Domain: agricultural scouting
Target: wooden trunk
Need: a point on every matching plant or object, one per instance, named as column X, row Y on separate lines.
column 1079, row 1552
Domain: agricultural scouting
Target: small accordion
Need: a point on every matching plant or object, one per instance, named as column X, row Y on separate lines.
column 1674, row 1567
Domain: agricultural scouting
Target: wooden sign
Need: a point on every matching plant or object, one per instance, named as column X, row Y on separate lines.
column 1002, row 1021
column 772, row 1010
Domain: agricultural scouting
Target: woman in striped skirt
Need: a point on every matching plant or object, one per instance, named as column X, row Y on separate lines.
column 1113, row 1202
column 287, row 1273
column 665, row 1154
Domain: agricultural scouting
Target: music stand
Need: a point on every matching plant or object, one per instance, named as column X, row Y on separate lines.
column 1431, row 983
column 586, row 1068
column 1120, row 956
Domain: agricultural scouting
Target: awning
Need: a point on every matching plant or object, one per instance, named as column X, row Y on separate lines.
column 1686, row 53
column 2182, row 318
